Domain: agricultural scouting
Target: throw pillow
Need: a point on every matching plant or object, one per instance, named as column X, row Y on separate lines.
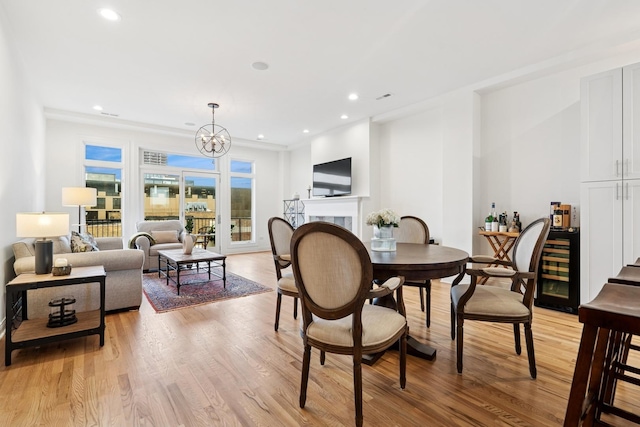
column 83, row 242
column 165, row 236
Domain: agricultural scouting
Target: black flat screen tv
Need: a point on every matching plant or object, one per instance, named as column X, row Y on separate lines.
column 332, row 178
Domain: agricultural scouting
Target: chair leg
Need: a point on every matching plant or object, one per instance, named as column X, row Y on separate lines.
column 278, row 304
column 421, row 298
column 459, row 344
column 528, row 335
column 453, row 322
column 516, row 336
column 403, row 360
column 295, row 307
column 357, row 388
column 427, row 290
column 306, row 359
column 322, row 357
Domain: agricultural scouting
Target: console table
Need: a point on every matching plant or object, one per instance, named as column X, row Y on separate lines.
column 35, row 332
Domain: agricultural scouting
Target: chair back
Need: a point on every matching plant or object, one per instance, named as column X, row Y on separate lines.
column 332, row 270
column 280, row 232
column 527, row 251
column 412, row 229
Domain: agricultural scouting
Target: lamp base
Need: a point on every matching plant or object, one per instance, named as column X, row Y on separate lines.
column 44, row 256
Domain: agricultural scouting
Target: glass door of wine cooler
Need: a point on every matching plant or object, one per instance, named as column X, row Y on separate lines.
column 559, row 272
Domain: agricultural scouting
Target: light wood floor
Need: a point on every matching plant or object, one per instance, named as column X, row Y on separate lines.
column 223, row 364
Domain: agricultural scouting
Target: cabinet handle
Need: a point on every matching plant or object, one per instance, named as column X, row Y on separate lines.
column 617, row 193
column 626, row 161
column 617, row 168
column 627, row 188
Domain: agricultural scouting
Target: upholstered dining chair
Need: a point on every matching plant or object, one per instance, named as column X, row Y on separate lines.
column 414, row 230
column 334, row 275
column 280, row 232
column 498, row 304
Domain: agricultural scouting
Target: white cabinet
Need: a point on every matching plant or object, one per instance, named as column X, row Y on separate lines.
column 630, row 163
column 601, row 236
column 610, row 175
column 601, row 126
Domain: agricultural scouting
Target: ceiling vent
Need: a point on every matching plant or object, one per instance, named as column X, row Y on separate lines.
column 386, row 95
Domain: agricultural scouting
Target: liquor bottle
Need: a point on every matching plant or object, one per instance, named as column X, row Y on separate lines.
column 516, row 221
column 489, row 219
column 557, row 218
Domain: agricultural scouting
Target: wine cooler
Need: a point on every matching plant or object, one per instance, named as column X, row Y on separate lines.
column 559, row 272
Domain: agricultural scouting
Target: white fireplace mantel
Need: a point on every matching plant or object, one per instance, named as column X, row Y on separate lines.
column 335, row 207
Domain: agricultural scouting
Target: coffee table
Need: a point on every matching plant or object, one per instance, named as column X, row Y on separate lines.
column 181, row 263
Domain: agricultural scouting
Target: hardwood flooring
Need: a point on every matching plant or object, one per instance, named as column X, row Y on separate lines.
column 222, row 364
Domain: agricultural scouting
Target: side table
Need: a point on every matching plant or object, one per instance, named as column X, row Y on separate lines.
column 35, row 332
column 501, row 242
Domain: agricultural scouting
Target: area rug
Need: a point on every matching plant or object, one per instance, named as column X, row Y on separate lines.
column 163, row 297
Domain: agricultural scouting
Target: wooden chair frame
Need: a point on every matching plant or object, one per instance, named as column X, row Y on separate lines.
column 354, row 307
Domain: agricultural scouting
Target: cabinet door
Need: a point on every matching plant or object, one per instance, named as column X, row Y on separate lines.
column 601, row 235
column 601, row 126
column 631, row 220
column 631, row 128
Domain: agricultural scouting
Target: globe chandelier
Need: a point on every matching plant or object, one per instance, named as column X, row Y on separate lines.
column 213, row 140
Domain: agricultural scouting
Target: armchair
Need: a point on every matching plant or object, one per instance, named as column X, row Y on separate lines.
column 414, row 230
column 333, row 272
column 154, row 236
column 280, row 232
column 496, row 304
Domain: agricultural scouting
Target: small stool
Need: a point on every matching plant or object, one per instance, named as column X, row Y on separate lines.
column 608, row 320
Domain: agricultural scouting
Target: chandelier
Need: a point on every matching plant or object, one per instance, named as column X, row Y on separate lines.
column 213, row 140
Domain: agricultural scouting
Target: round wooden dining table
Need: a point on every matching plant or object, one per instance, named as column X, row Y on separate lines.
column 417, row 261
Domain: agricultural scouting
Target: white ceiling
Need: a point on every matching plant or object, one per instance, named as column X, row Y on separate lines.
column 166, row 60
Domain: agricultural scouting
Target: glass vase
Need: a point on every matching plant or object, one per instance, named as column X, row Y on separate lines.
column 383, row 238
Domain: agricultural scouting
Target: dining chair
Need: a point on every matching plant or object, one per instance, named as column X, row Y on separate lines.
column 412, row 229
column 280, row 232
column 334, row 275
column 498, row 304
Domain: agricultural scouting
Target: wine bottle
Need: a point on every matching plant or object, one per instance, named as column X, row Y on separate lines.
column 489, row 219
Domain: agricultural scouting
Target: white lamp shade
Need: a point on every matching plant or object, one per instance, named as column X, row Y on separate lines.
column 79, row 196
column 42, row 224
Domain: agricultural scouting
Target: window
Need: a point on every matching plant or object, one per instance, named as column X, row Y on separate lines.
column 103, row 171
column 242, row 216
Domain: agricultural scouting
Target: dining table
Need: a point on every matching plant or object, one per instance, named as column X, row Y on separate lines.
column 417, row 261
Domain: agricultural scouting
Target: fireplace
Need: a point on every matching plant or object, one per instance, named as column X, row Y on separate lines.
column 345, row 211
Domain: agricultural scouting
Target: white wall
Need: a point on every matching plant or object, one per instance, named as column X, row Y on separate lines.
column 530, row 152
column 347, row 141
column 22, row 164
column 64, row 147
column 412, row 184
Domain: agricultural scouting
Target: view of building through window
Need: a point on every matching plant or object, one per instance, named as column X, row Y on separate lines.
column 242, row 178
column 103, row 171
column 190, row 181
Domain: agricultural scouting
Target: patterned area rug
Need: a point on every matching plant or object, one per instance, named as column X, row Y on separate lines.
column 165, row 297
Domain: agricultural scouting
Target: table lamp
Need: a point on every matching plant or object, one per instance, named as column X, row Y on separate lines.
column 41, row 226
column 79, row 196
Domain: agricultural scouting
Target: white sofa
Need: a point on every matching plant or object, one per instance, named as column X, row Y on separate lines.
column 123, row 284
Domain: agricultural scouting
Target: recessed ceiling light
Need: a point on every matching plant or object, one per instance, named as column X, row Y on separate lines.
column 109, row 14
column 344, row 117
column 97, row 107
column 260, row 66
column 189, row 124
column 260, row 137
column 305, row 131
column 353, row 96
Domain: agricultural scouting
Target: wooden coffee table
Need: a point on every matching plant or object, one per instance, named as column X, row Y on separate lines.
column 181, row 263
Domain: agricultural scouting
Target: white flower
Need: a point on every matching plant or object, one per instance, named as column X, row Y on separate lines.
column 383, row 217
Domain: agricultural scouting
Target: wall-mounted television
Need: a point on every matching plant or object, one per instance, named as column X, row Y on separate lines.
column 332, row 178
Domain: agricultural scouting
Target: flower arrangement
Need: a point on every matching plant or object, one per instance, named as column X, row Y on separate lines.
column 383, row 217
